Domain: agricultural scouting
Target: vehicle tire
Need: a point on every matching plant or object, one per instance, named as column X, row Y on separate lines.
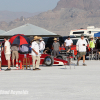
column 59, row 57
column 48, row 61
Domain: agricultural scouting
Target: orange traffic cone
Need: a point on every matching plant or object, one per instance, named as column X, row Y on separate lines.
column 17, row 65
column 20, row 64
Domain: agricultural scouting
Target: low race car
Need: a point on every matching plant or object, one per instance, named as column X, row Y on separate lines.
column 45, row 59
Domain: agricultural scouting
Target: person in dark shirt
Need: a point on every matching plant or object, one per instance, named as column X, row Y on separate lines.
column 47, row 51
column 98, row 45
column 56, row 47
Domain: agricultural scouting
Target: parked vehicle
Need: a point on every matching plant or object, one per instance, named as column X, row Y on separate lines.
column 90, row 31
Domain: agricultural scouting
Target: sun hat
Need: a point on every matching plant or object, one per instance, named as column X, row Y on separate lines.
column 36, row 38
column 55, row 39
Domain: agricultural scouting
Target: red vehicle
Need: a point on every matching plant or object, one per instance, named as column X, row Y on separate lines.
column 45, row 59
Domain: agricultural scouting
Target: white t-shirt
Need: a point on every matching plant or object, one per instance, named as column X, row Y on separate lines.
column 8, row 50
column 0, row 52
column 42, row 45
column 68, row 42
column 35, row 46
column 80, row 43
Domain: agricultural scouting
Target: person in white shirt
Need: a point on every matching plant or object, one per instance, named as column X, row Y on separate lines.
column 35, row 53
column 81, row 48
column 68, row 43
column 7, row 52
column 41, row 46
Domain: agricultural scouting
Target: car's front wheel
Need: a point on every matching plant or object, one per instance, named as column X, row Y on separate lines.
column 48, row 61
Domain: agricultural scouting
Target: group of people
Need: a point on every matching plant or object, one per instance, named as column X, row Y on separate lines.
column 38, row 48
column 81, row 47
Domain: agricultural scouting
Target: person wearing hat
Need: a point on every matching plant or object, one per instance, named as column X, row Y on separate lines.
column 41, row 46
column 81, row 48
column 56, row 47
column 68, row 43
column 35, row 53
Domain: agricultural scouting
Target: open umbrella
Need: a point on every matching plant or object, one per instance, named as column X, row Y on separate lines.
column 19, row 39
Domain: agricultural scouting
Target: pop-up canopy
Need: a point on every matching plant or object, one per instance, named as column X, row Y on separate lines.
column 97, row 34
column 2, row 31
column 29, row 30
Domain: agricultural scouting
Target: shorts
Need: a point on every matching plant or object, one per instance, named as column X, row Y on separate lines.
column 0, row 58
column 81, row 54
column 56, row 52
column 67, row 48
column 7, row 56
column 15, row 54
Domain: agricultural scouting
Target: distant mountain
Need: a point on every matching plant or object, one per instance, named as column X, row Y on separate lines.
column 9, row 16
column 80, row 4
column 67, row 15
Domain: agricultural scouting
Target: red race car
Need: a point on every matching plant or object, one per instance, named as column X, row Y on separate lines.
column 45, row 59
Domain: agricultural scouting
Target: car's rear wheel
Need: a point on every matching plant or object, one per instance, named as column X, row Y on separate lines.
column 48, row 61
column 59, row 56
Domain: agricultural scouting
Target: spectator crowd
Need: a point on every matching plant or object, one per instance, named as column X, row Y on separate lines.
column 38, row 47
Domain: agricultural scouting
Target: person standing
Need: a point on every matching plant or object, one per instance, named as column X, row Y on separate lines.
column 98, row 45
column 35, row 53
column 68, row 43
column 14, row 49
column 1, row 49
column 81, row 48
column 56, row 47
column 41, row 46
column 7, row 52
column 92, row 45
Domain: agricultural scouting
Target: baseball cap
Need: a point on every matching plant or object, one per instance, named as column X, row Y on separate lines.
column 82, row 34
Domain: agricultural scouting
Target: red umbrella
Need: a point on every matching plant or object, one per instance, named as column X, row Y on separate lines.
column 19, row 39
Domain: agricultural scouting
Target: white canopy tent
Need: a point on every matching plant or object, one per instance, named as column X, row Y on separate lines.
column 2, row 31
column 29, row 30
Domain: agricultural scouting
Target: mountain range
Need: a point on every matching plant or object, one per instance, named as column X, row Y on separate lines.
column 67, row 15
column 10, row 16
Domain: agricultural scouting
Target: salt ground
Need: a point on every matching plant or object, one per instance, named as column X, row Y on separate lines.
column 53, row 83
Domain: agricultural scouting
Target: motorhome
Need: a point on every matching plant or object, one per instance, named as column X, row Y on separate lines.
column 90, row 31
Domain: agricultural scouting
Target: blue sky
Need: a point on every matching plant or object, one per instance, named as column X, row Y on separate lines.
column 27, row 5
